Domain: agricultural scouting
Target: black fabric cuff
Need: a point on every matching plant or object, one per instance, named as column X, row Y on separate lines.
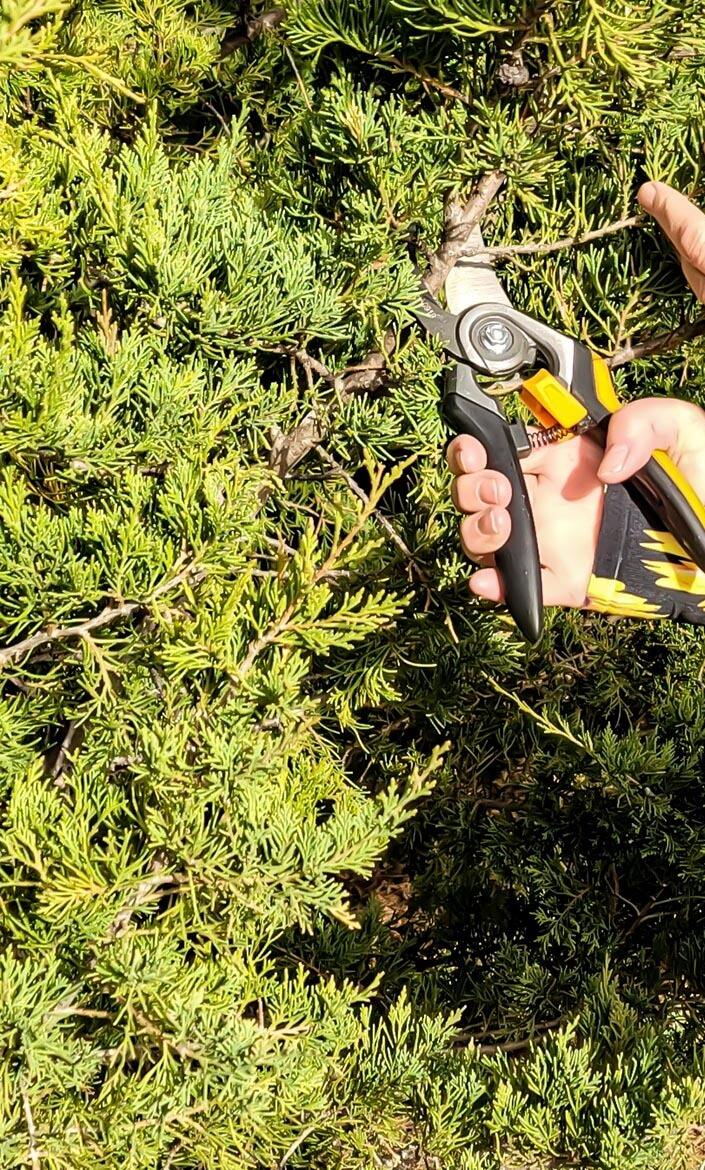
column 640, row 570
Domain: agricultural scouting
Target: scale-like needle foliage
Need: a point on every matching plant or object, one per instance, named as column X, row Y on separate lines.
column 305, row 859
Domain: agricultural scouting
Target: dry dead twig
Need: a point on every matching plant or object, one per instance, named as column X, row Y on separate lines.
column 510, row 1045
column 544, row 248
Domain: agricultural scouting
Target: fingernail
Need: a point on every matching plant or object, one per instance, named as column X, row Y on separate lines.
column 489, row 523
column 489, row 491
column 615, row 460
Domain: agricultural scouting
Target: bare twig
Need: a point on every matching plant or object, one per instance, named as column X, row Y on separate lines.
column 288, row 450
column 254, row 28
column 369, row 374
column 543, row 249
column 309, row 363
column 425, row 78
column 510, row 1045
column 60, row 761
column 643, row 913
column 303, row 1136
column 67, row 1011
column 461, row 219
column 183, row 1048
column 382, row 520
column 107, row 617
column 661, row 343
column 31, row 1130
column 280, row 545
column 149, row 890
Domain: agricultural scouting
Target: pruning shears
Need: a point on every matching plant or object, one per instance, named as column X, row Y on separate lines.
column 569, row 391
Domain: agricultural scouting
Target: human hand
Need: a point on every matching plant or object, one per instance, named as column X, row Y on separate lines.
column 684, row 224
column 565, row 481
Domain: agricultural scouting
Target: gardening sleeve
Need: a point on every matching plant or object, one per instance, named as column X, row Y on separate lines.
column 640, row 570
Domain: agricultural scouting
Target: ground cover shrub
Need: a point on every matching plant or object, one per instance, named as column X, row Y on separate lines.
column 305, row 859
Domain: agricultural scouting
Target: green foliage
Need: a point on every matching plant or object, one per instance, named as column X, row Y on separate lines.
column 305, row 859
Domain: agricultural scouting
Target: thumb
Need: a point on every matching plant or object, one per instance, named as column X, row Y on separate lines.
column 634, row 433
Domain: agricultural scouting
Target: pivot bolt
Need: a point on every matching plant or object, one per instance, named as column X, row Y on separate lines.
column 496, row 337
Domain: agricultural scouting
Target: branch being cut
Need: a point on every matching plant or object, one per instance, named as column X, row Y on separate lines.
column 661, row 343
column 461, row 220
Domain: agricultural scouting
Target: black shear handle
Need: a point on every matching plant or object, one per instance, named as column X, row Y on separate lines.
column 663, row 487
column 518, row 560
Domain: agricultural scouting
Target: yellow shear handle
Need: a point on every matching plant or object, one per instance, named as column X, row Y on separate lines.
column 663, row 487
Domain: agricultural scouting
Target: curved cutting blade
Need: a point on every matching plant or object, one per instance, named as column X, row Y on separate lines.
column 473, row 281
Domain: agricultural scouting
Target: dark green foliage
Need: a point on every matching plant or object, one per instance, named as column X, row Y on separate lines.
column 305, row 859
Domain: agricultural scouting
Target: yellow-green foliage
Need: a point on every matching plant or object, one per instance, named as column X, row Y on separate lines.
column 305, row 859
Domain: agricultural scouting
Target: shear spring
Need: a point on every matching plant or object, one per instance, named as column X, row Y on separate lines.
column 548, row 435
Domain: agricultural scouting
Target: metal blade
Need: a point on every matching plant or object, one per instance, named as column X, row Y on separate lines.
column 439, row 323
column 473, row 281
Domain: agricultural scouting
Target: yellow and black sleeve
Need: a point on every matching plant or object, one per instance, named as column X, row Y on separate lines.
column 640, row 570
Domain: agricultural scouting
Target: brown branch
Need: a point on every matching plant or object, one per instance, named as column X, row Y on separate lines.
column 59, row 764
column 288, row 450
column 303, row 1136
column 509, row 1045
column 543, row 249
column 425, row 78
column 309, row 363
column 107, row 617
column 183, row 1048
column 66, row 1011
column 382, row 520
column 643, row 913
column 461, row 220
column 661, row 343
column 255, row 26
column 369, row 375
column 149, row 890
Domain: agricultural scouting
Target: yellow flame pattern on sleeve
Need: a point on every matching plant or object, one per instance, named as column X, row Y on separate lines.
column 682, row 575
column 664, row 542
column 606, row 595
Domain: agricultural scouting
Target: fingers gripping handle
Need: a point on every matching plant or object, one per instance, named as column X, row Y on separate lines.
column 660, row 484
column 518, row 560
column 668, row 492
